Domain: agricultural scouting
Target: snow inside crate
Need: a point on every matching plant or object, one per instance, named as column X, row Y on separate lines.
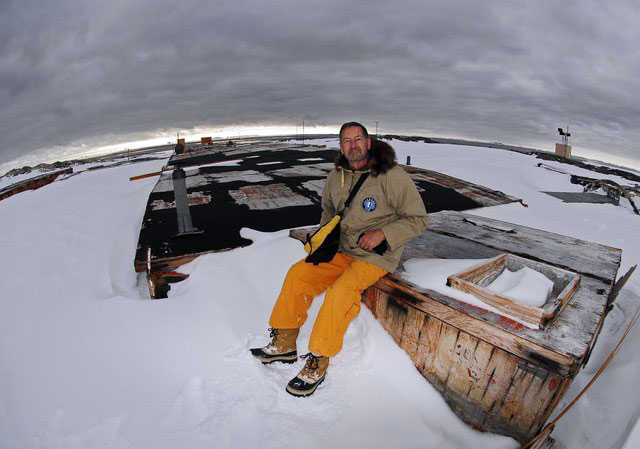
column 532, row 291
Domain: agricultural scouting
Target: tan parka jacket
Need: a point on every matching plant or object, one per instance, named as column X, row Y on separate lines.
column 388, row 200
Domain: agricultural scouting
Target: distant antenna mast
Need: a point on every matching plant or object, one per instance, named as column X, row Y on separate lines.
column 564, row 149
column 303, row 131
column 565, row 135
column 376, row 130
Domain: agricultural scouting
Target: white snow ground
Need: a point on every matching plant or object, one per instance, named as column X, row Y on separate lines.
column 86, row 361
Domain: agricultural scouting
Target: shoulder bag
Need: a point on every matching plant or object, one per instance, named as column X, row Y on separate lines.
column 323, row 244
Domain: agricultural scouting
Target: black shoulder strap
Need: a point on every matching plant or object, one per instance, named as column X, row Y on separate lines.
column 355, row 189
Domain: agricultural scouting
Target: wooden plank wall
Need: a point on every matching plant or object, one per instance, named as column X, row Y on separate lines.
column 487, row 387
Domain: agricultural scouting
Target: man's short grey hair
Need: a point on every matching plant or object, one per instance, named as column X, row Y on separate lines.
column 353, row 124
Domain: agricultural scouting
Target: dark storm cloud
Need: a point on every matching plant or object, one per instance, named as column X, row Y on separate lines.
column 499, row 71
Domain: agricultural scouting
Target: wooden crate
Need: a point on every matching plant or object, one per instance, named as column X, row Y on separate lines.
column 496, row 374
column 487, row 386
column 477, row 278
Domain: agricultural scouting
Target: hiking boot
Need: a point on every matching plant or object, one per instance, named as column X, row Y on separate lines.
column 312, row 375
column 282, row 347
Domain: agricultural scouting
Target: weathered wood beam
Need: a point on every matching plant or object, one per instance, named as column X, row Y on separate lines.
column 579, row 256
column 146, row 175
column 521, row 347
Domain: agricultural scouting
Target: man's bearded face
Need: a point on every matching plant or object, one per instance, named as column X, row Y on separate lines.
column 354, row 145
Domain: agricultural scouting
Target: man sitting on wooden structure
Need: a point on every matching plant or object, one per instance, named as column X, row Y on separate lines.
column 385, row 213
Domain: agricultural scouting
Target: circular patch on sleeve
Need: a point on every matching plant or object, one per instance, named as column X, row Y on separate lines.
column 369, row 204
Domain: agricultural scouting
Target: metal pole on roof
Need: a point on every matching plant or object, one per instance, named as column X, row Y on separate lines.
column 303, row 131
column 185, row 224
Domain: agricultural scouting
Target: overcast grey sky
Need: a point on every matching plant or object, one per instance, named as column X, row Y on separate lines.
column 508, row 71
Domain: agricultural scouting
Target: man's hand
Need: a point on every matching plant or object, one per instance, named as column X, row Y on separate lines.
column 371, row 239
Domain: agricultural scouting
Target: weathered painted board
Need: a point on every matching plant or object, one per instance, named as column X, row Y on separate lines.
column 572, row 254
column 485, row 385
column 267, row 197
column 496, row 335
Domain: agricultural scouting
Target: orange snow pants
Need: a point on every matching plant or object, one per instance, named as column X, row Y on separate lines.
column 344, row 279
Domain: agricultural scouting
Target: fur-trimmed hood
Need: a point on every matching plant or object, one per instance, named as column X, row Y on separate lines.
column 382, row 158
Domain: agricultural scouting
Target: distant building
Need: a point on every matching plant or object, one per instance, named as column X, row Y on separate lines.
column 563, row 150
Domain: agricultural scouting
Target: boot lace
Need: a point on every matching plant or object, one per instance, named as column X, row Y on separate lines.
column 273, row 332
column 312, row 361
